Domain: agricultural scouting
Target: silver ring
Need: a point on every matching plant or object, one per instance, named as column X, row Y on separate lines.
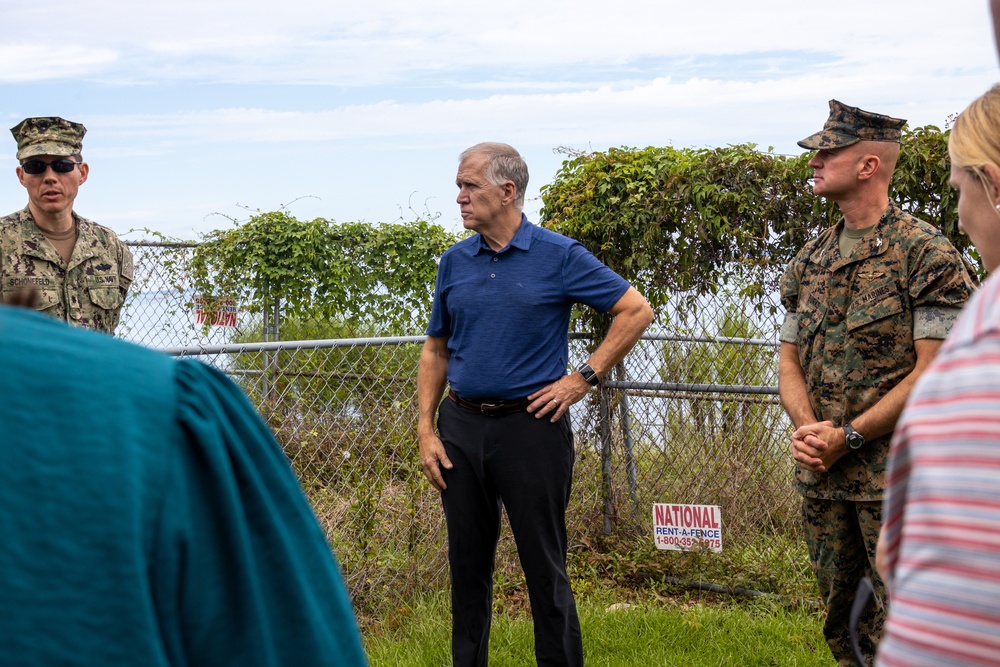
column 556, row 401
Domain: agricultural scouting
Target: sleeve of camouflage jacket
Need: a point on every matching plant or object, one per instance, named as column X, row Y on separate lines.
column 938, row 283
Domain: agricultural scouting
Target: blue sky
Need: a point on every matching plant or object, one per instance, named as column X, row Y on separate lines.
column 200, row 111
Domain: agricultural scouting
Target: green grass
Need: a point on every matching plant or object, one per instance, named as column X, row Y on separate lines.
column 692, row 630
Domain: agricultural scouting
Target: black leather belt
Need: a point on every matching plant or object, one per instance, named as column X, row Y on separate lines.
column 491, row 408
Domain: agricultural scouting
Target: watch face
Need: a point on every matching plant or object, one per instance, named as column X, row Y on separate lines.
column 855, row 440
column 588, row 374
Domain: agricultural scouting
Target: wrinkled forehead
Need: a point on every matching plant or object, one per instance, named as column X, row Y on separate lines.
column 472, row 167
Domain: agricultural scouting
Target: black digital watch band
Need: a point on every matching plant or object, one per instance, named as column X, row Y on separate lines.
column 854, row 439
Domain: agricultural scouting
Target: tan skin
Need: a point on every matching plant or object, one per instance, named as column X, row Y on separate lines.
column 978, row 216
column 857, row 178
column 489, row 209
column 51, row 195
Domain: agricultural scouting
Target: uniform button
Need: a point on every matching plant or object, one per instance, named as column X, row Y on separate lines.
column 493, row 275
column 496, row 259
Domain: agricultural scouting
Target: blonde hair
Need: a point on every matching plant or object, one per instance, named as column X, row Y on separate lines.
column 975, row 138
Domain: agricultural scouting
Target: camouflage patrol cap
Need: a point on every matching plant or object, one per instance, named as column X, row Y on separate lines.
column 849, row 125
column 50, row 135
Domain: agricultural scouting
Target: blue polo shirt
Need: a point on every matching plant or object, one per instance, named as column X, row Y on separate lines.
column 506, row 314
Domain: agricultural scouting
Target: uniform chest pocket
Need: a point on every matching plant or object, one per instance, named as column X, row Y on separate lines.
column 108, row 298
column 810, row 318
column 48, row 298
column 877, row 306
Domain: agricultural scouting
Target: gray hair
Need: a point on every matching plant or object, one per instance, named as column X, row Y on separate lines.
column 504, row 164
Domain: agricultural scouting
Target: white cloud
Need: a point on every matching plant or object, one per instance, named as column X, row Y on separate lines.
column 193, row 106
column 356, row 44
column 28, row 62
column 694, row 111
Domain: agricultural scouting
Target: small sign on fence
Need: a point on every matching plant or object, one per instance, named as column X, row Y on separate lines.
column 687, row 527
column 223, row 311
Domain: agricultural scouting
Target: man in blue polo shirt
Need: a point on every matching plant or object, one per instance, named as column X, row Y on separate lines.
column 498, row 338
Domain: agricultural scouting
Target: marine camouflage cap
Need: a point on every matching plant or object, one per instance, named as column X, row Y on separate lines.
column 849, row 125
column 50, row 135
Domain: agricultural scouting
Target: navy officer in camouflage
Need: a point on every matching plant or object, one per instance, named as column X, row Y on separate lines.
column 79, row 270
column 868, row 303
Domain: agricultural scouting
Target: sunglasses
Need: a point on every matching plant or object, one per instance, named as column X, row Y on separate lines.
column 35, row 167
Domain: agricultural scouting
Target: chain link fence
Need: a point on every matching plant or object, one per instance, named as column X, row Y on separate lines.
column 691, row 416
column 160, row 309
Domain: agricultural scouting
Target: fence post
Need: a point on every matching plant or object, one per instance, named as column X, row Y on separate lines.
column 269, row 374
column 623, row 415
column 276, row 331
column 270, row 334
column 266, row 332
column 604, row 428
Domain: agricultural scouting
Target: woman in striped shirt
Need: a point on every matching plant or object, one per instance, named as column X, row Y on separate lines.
column 939, row 551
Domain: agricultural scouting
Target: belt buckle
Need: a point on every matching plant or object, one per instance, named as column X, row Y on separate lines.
column 491, row 409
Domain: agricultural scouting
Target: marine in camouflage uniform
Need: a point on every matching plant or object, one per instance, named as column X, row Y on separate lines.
column 852, row 321
column 88, row 290
column 83, row 280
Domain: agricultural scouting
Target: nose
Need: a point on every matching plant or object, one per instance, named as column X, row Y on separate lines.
column 815, row 162
column 462, row 197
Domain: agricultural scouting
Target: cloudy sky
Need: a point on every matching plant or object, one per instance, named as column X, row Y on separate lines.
column 199, row 112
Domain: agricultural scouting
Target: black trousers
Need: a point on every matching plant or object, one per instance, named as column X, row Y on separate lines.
column 527, row 465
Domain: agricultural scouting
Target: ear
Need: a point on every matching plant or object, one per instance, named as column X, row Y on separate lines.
column 509, row 192
column 84, row 170
column 992, row 173
column 869, row 166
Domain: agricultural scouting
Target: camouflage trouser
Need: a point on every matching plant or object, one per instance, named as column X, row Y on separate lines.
column 842, row 536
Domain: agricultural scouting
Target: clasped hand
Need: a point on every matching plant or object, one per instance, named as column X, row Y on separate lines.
column 817, row 447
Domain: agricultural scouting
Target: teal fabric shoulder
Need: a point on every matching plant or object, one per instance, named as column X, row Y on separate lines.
column 148, row 515
column 277, row 598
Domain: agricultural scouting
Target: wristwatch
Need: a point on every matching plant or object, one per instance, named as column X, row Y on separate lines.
column 589, row 374
column 854, row 439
